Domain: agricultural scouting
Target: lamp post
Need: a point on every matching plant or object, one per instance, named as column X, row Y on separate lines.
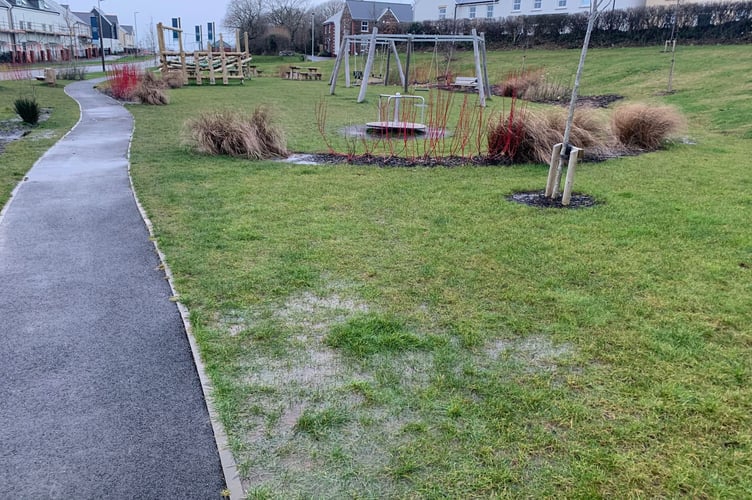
column 313, row 36
column 101, row 33
column 135, row 31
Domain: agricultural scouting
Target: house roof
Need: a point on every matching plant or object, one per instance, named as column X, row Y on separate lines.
column 372, row 11
column 85, row 17
column 128, row 29
column 44, row 5
column 112, row 18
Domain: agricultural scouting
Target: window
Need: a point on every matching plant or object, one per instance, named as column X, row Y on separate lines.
column 536, row 4
column 516, row 5
column 489, row 11
column 364, row 26
column 472, row 12
column 584, row 3
column 442, row 13
column 562, row 3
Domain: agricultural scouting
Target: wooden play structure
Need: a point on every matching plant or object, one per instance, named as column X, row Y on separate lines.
column 478, row 82
column 206, row 64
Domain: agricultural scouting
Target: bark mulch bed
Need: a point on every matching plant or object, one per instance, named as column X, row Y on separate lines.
column 538, row 199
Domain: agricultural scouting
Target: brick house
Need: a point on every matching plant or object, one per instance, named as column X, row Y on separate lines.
column 360, row 17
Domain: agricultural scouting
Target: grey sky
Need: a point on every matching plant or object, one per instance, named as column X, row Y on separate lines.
column 191, row 12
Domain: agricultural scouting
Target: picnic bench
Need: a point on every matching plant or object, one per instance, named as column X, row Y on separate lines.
column 465, row 82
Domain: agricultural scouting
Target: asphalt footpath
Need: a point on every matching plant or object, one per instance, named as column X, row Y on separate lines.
column 99, row 394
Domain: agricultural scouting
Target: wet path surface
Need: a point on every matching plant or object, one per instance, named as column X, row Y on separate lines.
column 99, row 396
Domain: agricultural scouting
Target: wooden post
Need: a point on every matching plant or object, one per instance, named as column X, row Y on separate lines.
column 223, row 59
column 369, row 66
column 478, row 69
column 183, row 62
column 574, row 156
column 162, row 49
column 212, row 78
column 555, row 155
column 196, row 57
column 237, row 40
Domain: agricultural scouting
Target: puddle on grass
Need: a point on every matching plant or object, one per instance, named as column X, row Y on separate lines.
column 363, row 132
column 537, row 352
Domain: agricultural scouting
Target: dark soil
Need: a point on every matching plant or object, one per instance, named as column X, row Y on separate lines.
column 397, row 161
column 538, row 199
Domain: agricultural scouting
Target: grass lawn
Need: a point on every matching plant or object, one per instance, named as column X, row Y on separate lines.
column 391, row 332
column 19, row 156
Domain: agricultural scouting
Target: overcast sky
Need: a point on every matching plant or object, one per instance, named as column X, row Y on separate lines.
column 190, row 12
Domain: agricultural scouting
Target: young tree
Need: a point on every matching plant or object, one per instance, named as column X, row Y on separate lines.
column 554, row 175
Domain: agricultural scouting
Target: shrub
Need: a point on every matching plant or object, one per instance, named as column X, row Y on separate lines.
column 645, row 127
column 150, row 90
column 529, row 137
column 174, row 79
column 72, row 73
column 28, row 109
column 533, row 85
column 236, row 134
column 506, row 134
column 123, row 80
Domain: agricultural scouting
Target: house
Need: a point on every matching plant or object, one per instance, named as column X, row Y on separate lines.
column 359, row 17
column 33, row 30
column 127, row 38
column 434, row 10
column 79, row 40
column 110, row 29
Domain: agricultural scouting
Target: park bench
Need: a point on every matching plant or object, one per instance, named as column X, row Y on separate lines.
column 465, row 82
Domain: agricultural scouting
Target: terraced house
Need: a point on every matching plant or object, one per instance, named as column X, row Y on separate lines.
column 33, row 30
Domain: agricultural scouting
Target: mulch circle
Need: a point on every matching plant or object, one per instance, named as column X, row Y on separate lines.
column 539, row 199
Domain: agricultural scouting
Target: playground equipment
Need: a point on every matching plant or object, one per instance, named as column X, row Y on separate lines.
column 374, row 39
column 208, row 64
column 396, row 123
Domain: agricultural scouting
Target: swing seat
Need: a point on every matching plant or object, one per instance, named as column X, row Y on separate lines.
column 358, row 75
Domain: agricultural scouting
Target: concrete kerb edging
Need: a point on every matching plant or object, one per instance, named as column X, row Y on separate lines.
column 229, row 467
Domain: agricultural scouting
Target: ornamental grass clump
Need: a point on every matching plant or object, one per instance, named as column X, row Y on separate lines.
column 28, row 109
column 150, row 90
column 174, row 79
column 237, row 134
column 529, row 137
column 645, row 127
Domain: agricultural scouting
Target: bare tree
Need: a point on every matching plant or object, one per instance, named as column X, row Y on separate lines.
column 293, row 15
column 247, row 16
column 327, row 9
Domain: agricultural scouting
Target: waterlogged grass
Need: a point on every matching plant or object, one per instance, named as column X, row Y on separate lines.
column 19, row 156
column 385, row 332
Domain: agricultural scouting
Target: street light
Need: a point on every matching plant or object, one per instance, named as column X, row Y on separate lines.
column 101, row 33
column 135, row 31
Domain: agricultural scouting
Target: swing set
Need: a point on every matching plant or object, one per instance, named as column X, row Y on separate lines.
column 388, row 44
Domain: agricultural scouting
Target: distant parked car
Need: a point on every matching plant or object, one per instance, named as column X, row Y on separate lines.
column 286, row 52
